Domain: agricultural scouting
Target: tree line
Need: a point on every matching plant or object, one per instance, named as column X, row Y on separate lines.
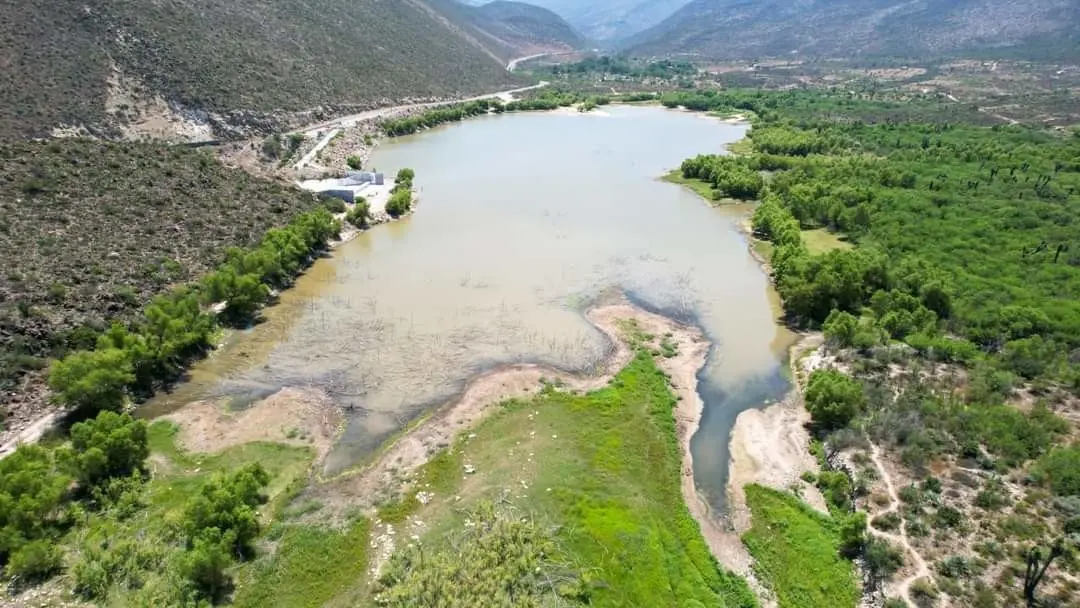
column 174, row 329
column 552, row 99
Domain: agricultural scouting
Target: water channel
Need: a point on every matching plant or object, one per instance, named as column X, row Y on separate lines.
column 523, row 220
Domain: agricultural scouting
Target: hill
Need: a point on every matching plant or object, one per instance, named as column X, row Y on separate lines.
column 843, row 28
column 90, row 231
column 243, row 59
column 609, row 20
column 525, row 27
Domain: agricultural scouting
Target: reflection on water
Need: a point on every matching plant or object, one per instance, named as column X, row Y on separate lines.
column 522, row 220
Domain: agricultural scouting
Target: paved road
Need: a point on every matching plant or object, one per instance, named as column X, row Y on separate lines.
column 510, row 67
column 333, row 127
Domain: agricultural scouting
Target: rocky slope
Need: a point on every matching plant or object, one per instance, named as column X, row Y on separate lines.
column 103, row 63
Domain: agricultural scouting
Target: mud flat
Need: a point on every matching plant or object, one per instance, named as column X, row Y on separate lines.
column 620, row 321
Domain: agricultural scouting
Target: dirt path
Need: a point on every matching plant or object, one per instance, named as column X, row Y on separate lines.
column 30, row 434
column 922, row 570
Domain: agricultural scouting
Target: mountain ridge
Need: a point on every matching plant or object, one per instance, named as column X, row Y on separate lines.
column 744, row 29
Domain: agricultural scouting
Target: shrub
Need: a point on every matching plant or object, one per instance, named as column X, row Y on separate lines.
column 955, row 566
column 833, row 399
column 227, row 504
column 948, row 517
column 35, row 561
column 110, row 445
column 32, row 500
column 887, row 522
column 205, row 564
column 399, row 204
column 882, row 559
column 333, row 204
column 92, row 380
column 836, row 487
column 503, row 561
column 354, row 162
column 405, row 176
column 360, row 214
column 1060, row 469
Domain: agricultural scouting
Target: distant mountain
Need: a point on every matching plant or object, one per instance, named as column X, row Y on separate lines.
column 609, row 20
column 843, row 28
column 526, row 27
column 91, row 62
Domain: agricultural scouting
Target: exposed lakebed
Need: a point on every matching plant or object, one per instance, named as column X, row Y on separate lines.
column 523, row 221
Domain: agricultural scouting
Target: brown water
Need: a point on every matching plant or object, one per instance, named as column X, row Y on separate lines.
column 523, row 220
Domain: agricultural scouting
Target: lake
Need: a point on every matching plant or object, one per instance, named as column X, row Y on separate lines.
column 523, row 220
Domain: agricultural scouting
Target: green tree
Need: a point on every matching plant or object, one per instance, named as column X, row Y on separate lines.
column 110, row 445
column 227, row 504
column 882, row 559
column 35, row 561
column 32, row 502
column 853, row 534
column 399, row 204
column 833, row 399
column 840, row 328
column 405, row 176
column 92, row 380
column 205, row 565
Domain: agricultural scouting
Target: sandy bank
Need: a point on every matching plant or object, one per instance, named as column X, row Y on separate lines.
column 301, row 417
column 770, row 446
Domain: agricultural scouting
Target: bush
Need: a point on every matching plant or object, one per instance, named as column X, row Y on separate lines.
column 833, row 399
column 948, row 517
column 505, row 560
column 92, row 380
column 360, row 214
column 955, row 566
column 227, row 504
column 882, row 559
column 206, row 563
column 405, row 176
column 1060, row 469
column 887, row 522
column 333, row 204
column 35, row 561
column 32, row 501
column 354, row 162
column 110, row 445
column 836, row 488
column 399, row 204
column 853, row 535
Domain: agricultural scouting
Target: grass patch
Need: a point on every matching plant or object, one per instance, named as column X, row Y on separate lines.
column 796, row 552
column 742, row 147
column 310, row 567
column 820, row 240
column 603, row 469
column 697, row 186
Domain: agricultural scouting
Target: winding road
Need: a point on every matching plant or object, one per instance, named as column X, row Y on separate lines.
column 333, row 127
